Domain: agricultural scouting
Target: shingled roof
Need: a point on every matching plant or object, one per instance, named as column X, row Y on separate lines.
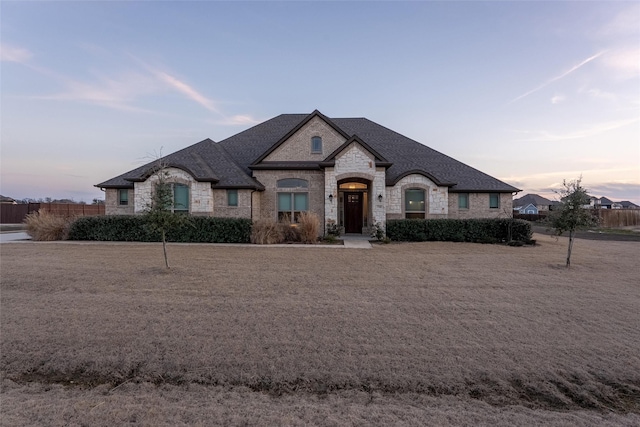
column 228, row 164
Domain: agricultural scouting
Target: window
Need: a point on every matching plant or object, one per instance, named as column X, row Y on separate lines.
column 232, row 197
column 463, row 200
column 290, row 205
column 292, row 183
column 180, row 198
column 316, row 144
column 123, row 197
column 414, row 203
column 494, row 200
column 174, row 193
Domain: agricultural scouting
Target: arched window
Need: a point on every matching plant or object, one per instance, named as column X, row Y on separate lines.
column 316, row 144
column 293, row 183
column 414, row 203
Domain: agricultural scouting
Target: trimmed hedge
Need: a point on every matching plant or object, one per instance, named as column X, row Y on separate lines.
column 133, row 228
column 458, row 230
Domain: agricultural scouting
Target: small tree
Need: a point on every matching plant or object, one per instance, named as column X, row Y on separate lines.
column 571, row 214
column 158, row 213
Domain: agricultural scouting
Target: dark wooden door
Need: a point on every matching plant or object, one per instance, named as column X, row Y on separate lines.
column 353, row 212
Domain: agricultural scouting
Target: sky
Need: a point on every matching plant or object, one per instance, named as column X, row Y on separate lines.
column 532, row 93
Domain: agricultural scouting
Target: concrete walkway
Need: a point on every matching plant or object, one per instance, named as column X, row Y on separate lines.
column 12, row 236
column 356, row 241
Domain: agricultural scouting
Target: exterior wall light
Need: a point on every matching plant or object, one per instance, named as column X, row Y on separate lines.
column 331, row 197
column 380, row 197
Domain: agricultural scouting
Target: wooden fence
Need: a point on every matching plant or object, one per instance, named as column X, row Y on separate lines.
column 612, row 218
column 607, row 218
column 15, row 214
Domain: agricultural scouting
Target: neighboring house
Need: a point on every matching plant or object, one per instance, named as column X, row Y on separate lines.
column 530, row 202
column 605, row 203
column 7, row 200
column 629, row 205
column 349, row 170
column 530, row 209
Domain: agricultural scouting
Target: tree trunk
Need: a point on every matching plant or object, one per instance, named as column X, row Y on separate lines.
column 570, row 247
column 164, row 249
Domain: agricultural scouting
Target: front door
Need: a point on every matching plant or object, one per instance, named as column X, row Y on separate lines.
column 353, row 212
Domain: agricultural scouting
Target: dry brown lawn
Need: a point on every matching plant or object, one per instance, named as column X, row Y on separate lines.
column 403, row 334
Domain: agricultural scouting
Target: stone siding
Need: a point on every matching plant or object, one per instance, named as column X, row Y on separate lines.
column 222, row 209
column 268, row 199
column 437, row 198
column 112, row 203
column 200, row 193
column 298, row 146
column 479, row 206
column 355, row 162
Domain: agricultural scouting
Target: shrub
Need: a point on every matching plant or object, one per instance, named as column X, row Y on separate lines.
column 487, row 230
column 334, row 229
column 308, row 227
column 267, row 232
column 45, row 226
column 133, row 228
column 289, row 230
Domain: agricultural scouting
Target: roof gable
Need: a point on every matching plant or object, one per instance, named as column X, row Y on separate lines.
column 379, row 158
column 307, row 120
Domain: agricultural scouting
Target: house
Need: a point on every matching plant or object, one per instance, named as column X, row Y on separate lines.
column 629, row 205
column 349, row 170
column 532, row 202
column 7, row 200
column 529, row 209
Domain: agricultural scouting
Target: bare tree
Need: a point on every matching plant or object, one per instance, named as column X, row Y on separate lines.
column 158, row 211
column 571, row 214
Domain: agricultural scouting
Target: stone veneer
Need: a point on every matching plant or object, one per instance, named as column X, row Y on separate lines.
column 355, row 162
column 200, row 193
column 479, row 206
column 112, row 203
column 298, row 146
column 437, row 197
column 268, row 203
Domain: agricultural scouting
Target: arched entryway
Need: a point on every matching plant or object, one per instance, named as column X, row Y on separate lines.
column 355, row 204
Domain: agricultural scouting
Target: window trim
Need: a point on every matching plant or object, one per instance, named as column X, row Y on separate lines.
column 414, row 213
column 497, row 196
column 316, row 149
column 232, row 192
column 125, row 192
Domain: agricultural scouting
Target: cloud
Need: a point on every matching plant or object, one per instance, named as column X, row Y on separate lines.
column 624, row 62
column 599, row 94
column 14, row 54
column 557, row 99
column 558, row 77
column 625, row 23
column 544, row 136
column 186, row 90
column 118, row 93
column 617, row 191
column 237, row 120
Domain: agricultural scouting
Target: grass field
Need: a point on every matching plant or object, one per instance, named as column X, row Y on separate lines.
column 402, row 334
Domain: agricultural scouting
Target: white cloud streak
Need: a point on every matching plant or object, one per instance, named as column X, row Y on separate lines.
column 186, row 90
column 556, row 78
column 544, row 136
column 14, row 54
